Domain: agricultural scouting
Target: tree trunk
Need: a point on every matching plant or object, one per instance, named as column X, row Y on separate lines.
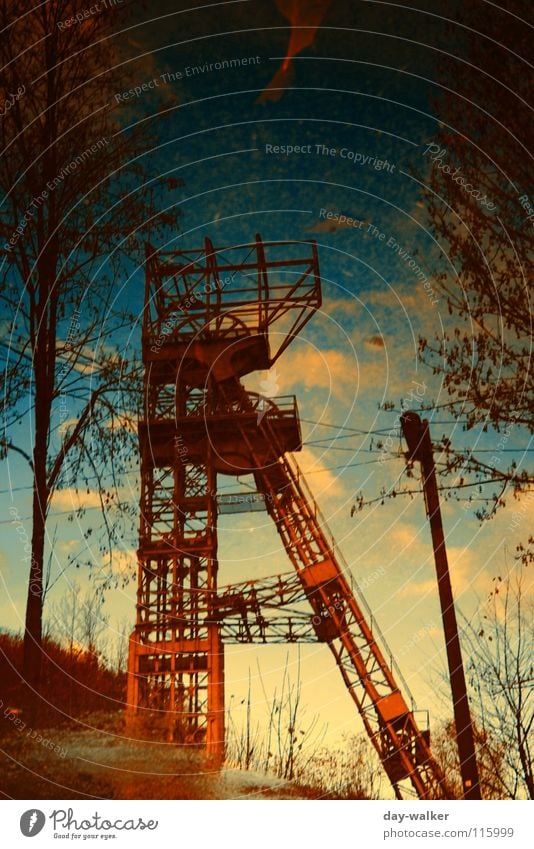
column 33, row 632
column 527, row 767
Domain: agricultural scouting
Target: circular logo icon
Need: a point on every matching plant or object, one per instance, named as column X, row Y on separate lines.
column 32, row 822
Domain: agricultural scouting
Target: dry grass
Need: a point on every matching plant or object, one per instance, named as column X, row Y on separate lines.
column 96, row 760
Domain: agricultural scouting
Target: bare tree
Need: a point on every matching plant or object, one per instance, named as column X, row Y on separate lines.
column 117, row 651
column 77, row 620
column 500, row 647
column 476, row 181
column 289, row 740
column 490, row 753
column 245, row 746
column 94, row 622
column 350, row 771
column 70, row 177
column 62, row 623
column 474, row 176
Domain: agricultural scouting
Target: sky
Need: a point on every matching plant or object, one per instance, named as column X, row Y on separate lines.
column 348, row 136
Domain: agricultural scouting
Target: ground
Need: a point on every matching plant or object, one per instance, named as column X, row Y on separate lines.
column 84, row 762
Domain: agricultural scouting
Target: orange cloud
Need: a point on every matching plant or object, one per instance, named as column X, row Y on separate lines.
column 281, row 80
column 331, row 225
column 322, row 481
column 314, row 369
column 375, row 342
column 305, row 17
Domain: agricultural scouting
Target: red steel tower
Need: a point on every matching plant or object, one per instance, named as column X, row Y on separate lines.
column 212, row 316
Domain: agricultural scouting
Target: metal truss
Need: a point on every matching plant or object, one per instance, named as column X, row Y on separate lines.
column 360, row 650
column 269, row 610
column 208, row 316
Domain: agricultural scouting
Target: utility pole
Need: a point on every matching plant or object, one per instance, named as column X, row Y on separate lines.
column 417, row 435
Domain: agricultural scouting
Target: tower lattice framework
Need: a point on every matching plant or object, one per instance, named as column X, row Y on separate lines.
column 210, row 318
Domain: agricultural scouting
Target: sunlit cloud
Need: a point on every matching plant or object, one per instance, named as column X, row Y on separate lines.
column 72, row 499
column 322, row 481
column 341, row 221
column 313, row 369
column 305, row 17
column 122, row 563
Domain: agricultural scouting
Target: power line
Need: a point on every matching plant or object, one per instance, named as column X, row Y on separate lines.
column 342, row 427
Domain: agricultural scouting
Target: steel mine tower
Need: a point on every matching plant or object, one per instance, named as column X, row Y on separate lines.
column 211, row 317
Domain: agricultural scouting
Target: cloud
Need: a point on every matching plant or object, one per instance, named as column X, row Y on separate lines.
column 121, row 420
column 66, row 425
column 322, row 482
column 465, row 569
column 403, row 536
column 123, row 562
column 394, row 297
column 70, row 499
column 345, row 376
column 66, row 547
column 305, row 18
column 520, row 515
column 282, row 79
column 342, row 221
column 374, row 342
column 315, row 369
column 345, row 306
column 85, row 359
column 419, row 588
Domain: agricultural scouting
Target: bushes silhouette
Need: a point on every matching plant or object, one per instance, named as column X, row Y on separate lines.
column 75, row 681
